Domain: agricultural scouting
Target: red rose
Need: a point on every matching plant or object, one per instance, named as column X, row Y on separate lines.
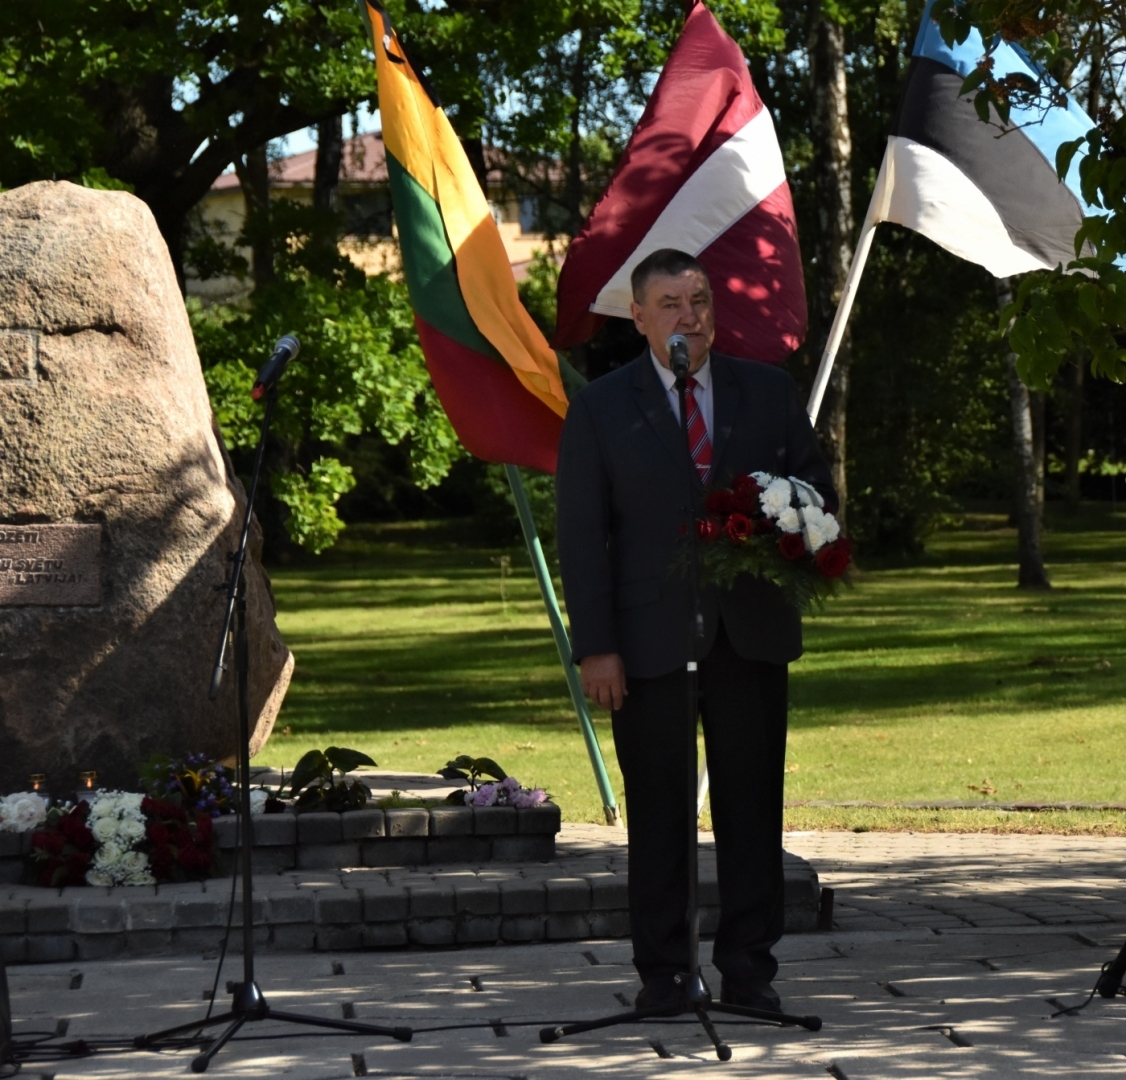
column 158, row 833
column 203, row 828
column 745, row 493
column 738, row 527
column 708, row 529
column 719, row 502
column 833, row 559
column 791, row 545
column 764, row 525
column 161, row 859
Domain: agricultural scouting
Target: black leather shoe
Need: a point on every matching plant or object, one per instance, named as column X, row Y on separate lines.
column 751, row 995
column 660, row 991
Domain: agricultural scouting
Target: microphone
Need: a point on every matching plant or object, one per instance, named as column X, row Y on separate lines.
column 677, row 346
column 284, row 351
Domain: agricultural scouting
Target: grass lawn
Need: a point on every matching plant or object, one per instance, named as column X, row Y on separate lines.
column 934, row 682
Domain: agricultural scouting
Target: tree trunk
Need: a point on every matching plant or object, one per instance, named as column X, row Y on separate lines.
column 832, row 246
column 574, row 193
column 330, row 152
column 1028, row 459
column 254, row 176
column 1074, row 448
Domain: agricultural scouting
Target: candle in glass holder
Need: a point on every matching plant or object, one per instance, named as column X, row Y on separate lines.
column 87, row 781
column 37, row 780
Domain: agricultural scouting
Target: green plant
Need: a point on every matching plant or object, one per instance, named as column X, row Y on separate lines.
column 470, row 769
column 313, row 785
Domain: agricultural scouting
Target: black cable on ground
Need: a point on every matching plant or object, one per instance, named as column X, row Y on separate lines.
column 1071, row 1010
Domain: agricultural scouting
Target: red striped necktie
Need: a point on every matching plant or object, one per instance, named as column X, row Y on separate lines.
column 698, row 433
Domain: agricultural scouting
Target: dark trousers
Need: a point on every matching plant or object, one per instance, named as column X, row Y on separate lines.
column 743, row 709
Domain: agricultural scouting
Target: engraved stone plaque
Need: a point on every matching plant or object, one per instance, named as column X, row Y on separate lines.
column 50, row 565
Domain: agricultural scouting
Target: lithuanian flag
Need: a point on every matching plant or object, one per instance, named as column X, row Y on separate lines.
column 495, row 374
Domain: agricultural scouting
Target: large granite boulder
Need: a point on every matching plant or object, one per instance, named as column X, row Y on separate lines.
column 118, row 504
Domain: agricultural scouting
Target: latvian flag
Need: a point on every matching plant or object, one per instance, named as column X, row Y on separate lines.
column 991, row 198
column 702, row 173
column 498, row 379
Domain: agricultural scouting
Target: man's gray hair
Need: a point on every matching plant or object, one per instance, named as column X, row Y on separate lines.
column 663, row 261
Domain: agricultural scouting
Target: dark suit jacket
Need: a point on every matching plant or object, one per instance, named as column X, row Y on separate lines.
column 622, row 492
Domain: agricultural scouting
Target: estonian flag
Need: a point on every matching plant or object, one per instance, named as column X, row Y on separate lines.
column 703, row 173
column 991, row 198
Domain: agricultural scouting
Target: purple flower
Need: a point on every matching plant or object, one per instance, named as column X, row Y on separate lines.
column 486, row 795
column 510, row 783
column 527, row 799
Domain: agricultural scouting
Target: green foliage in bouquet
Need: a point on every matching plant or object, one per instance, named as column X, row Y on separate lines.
column 314, row 787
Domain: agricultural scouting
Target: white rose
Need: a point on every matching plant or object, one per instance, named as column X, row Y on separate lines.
column 130, row 800
column 131, row 829
column 788, row 520
column 258, row 799
column 104, row 829
column 103, row 806
column 142, row 878
column 109, row 855
column 96, row 877
column 134, row 862
column 814, row 536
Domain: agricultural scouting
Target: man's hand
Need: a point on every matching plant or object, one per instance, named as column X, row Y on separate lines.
column 604, row 679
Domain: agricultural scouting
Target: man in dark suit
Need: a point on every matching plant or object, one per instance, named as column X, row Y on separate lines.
column 623, row 487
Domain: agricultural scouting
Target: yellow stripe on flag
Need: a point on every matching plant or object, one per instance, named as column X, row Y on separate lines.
column 420, row 137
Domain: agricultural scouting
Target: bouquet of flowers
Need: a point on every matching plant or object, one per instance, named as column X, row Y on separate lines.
column 22, row 812
column 195, row 782
column 778, row 528
column 61, row 851
column 118, row 824
column 507, row 791
column 180, row 844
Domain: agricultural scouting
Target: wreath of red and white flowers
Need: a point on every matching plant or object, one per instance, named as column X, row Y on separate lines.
column 778, row 528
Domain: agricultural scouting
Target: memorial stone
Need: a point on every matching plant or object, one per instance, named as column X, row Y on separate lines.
column 118, row 504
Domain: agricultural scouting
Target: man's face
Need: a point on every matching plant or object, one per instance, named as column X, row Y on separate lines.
column 680, row 304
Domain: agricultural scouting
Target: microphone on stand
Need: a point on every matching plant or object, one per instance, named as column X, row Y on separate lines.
column 677, row 346
column 284, row 351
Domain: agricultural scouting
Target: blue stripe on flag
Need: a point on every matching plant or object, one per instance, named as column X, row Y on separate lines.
column 1045, row 129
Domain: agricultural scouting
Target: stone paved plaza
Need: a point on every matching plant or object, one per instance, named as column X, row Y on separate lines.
column 948, row 955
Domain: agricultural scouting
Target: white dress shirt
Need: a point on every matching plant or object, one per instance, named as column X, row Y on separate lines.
column 703, row 389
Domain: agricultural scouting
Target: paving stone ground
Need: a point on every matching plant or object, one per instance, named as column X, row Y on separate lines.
column 948, row 956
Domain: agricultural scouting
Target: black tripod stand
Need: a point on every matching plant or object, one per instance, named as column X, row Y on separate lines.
column 247, row 1000
column 1110, row 982
column 695, row 996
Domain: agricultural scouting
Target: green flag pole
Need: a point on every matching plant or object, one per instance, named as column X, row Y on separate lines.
column 562, row 643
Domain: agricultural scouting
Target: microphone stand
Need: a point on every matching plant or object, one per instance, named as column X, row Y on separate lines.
column 696, row 997
column 247, row 1001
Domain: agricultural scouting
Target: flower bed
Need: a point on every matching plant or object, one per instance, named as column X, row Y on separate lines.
column 400, row 836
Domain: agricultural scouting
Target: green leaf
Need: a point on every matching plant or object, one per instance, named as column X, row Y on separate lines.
column 973, row 80
column 981, row 106
column 312, row 766
column 487, row 767
column 1064, row 156
column 453, row 774
column 347, row 760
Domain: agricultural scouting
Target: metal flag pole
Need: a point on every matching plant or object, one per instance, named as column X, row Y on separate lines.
column 876, row 210
column 562, row 643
